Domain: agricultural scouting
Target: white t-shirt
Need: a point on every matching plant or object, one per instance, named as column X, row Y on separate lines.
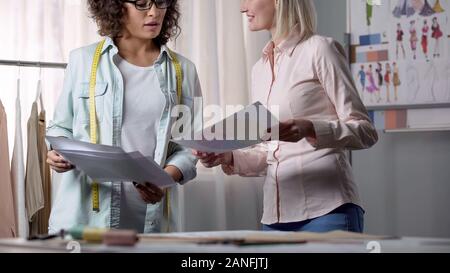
column 142, row 109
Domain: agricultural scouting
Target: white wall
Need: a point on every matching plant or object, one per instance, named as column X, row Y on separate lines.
column 332, row 19
column 405, row 184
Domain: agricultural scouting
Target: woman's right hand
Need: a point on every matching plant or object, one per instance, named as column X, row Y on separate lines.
column 211, row 160
column 58, row 163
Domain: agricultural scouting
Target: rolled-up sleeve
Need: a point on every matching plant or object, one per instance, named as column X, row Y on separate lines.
column 181, row 157
column 353, row 129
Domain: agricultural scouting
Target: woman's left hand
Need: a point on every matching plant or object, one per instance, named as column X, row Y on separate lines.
column 150, row 193
column 296, row 130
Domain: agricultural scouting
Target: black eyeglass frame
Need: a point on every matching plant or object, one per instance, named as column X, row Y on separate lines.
column 149, row 4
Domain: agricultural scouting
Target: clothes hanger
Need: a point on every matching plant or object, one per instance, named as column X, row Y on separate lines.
column 18, row 82
column 39, row 90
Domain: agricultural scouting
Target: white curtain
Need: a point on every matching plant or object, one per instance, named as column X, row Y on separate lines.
column 214, row 36
column 38, row 30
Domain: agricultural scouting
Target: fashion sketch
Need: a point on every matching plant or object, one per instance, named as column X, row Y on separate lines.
column 379, row 71
column 436, row 34
column 424, row 40
column 437, row 7
column 403, row 8
column 417, row 5
column 396, row 80
column 399, row 39
column 387, row 81
column 413, row 38
column 427, row 10
column 362, row 81
column 371, row 88
column 369, row 12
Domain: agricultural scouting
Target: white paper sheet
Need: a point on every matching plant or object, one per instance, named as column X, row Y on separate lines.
column 251, row 131
column 111, row 164
column 62, row 143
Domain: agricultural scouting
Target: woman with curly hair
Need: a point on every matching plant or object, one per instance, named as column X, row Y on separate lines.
column 139, row 81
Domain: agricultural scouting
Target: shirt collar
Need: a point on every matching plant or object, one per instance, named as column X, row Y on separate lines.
column 288, row 45
column 109, row 44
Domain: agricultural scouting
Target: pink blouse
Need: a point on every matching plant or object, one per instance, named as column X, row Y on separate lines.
column 308, row 80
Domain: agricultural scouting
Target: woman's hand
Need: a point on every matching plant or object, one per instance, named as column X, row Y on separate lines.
column 150, row 193
column 210, row 160
column 296, row 130
column 58, row 163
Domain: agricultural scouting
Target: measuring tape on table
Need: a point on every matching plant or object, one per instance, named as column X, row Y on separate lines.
column 93, row 118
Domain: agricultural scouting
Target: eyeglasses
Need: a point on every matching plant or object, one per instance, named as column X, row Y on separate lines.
column 148, row 4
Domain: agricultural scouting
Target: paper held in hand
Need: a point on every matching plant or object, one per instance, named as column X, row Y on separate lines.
column 104, row 163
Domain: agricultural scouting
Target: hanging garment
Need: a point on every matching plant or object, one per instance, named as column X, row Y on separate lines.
column 44, row 214
column 34, row 194
column 7, row 215
column 18, row 172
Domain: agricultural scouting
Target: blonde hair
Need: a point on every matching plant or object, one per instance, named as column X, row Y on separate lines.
column 295, row 15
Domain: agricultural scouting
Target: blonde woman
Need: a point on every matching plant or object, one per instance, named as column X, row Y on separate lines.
column 309, row 184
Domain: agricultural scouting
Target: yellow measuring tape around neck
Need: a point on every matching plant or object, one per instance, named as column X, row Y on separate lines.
column 178, row 74
column 93, row 118
column 179, row 78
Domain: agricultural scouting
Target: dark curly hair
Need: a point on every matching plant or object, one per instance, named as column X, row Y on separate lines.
column 108, row 14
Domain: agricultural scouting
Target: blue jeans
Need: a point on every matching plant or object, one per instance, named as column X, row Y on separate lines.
column 348, row 217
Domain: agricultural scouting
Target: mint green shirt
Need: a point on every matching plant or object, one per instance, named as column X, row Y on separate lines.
column 73, row 204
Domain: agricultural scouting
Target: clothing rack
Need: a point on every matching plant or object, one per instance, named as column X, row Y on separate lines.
column 33, row 64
